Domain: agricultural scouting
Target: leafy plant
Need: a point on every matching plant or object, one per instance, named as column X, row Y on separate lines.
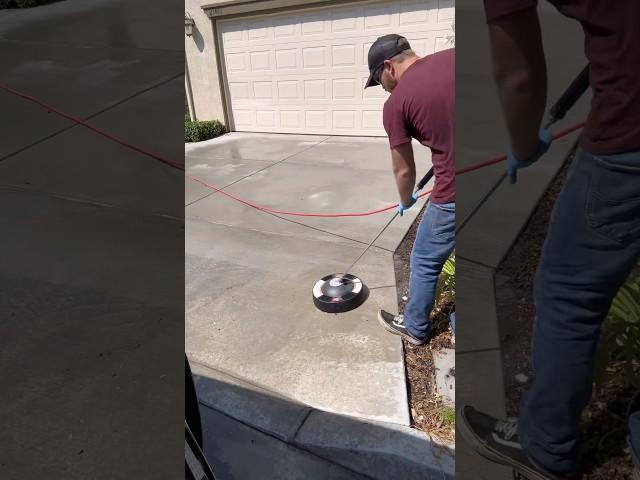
column 447, row 284
column 449, row 416
column 620, row 342
column 449, row 272
column 202, row 130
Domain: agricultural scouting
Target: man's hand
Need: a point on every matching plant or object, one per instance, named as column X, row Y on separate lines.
column 513, row 164
column 402, row 208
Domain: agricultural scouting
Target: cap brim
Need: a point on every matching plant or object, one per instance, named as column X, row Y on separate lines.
column 371, row 82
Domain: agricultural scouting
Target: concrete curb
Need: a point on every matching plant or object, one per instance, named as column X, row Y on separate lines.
column 378, row 450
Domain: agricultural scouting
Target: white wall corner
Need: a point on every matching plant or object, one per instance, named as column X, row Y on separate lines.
column 202, row 65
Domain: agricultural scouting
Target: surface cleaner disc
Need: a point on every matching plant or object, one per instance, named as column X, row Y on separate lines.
column 338, row 293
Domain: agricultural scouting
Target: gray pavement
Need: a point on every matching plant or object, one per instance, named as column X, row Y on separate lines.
column 243, row 453
column 81, row 325
column 289, row 439
column 491, row 232
column 249, row 274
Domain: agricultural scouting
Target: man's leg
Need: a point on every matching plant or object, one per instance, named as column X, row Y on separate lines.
column 592, row 245
column 433, row 245
column 452, row 322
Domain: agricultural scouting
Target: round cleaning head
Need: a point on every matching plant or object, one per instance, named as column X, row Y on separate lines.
column 339, row 293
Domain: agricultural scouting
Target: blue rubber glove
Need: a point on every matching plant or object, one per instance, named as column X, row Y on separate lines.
column 402, row 208
column 513, row 164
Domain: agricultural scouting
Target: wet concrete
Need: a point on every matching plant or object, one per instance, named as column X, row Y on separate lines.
column 250, row 274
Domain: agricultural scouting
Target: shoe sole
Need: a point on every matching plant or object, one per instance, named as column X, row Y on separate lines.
column 408, row 338
column 494, row 456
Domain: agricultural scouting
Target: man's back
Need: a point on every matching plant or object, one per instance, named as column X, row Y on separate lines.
column 612, row 46
column 422, row 106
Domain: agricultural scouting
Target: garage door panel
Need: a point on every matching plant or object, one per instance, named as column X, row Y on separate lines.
column 314, row 58
column 380, row 17
column 345, row 89
column 304, row 71
column 344, row 119
column 263, row 91
column 243, row 118
column 236, row 62
column 345, row 55
column 240, row 91
column 287, row 59
column 371, row 119
column 314, row 23
column 260, row 61
column 347, row 21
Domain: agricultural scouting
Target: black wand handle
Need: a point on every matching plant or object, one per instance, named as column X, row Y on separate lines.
column 570, row 96
column 425, row 179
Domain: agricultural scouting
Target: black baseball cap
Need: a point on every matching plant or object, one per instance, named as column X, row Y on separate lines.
column 384, row 48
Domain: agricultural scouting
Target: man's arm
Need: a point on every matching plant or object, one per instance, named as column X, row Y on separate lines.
column 404, row 169
column 521, row 77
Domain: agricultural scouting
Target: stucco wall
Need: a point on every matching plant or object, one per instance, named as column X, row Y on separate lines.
column 200, row 51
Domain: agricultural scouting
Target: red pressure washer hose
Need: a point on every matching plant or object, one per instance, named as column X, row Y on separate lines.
column 79, row 121
column 492, row 161
column 180, row 166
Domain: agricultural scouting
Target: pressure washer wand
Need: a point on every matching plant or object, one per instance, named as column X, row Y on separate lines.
column 557, row 112
column 569, row 97
column 419, row 187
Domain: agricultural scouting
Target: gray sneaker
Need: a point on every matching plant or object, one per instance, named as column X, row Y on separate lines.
column 395, row 324
column 497, row 440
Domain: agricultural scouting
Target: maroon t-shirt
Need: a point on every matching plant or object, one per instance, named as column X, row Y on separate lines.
column 612, row 46
column 422, row 106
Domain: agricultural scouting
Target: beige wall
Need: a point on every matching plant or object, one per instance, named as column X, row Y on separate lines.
column 200, row 51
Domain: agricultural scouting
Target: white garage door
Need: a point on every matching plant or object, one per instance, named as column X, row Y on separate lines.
column 304, row 71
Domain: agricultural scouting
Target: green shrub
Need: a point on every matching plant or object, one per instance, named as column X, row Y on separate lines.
column 202, row 130
column 189, row 131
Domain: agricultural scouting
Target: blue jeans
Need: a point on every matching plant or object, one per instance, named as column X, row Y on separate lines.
column 592, row 245
column 433, row 245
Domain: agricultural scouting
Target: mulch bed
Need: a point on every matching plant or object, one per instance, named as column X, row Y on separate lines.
column 425, row 405
column 603, row 452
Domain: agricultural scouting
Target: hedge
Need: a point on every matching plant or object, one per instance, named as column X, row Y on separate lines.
column 202, row 130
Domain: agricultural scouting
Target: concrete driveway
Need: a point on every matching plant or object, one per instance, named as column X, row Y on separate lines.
column 249, row 274
column 91, row 358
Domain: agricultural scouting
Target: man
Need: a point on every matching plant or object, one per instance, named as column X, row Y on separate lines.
column 593, row 240
column 421, row 106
